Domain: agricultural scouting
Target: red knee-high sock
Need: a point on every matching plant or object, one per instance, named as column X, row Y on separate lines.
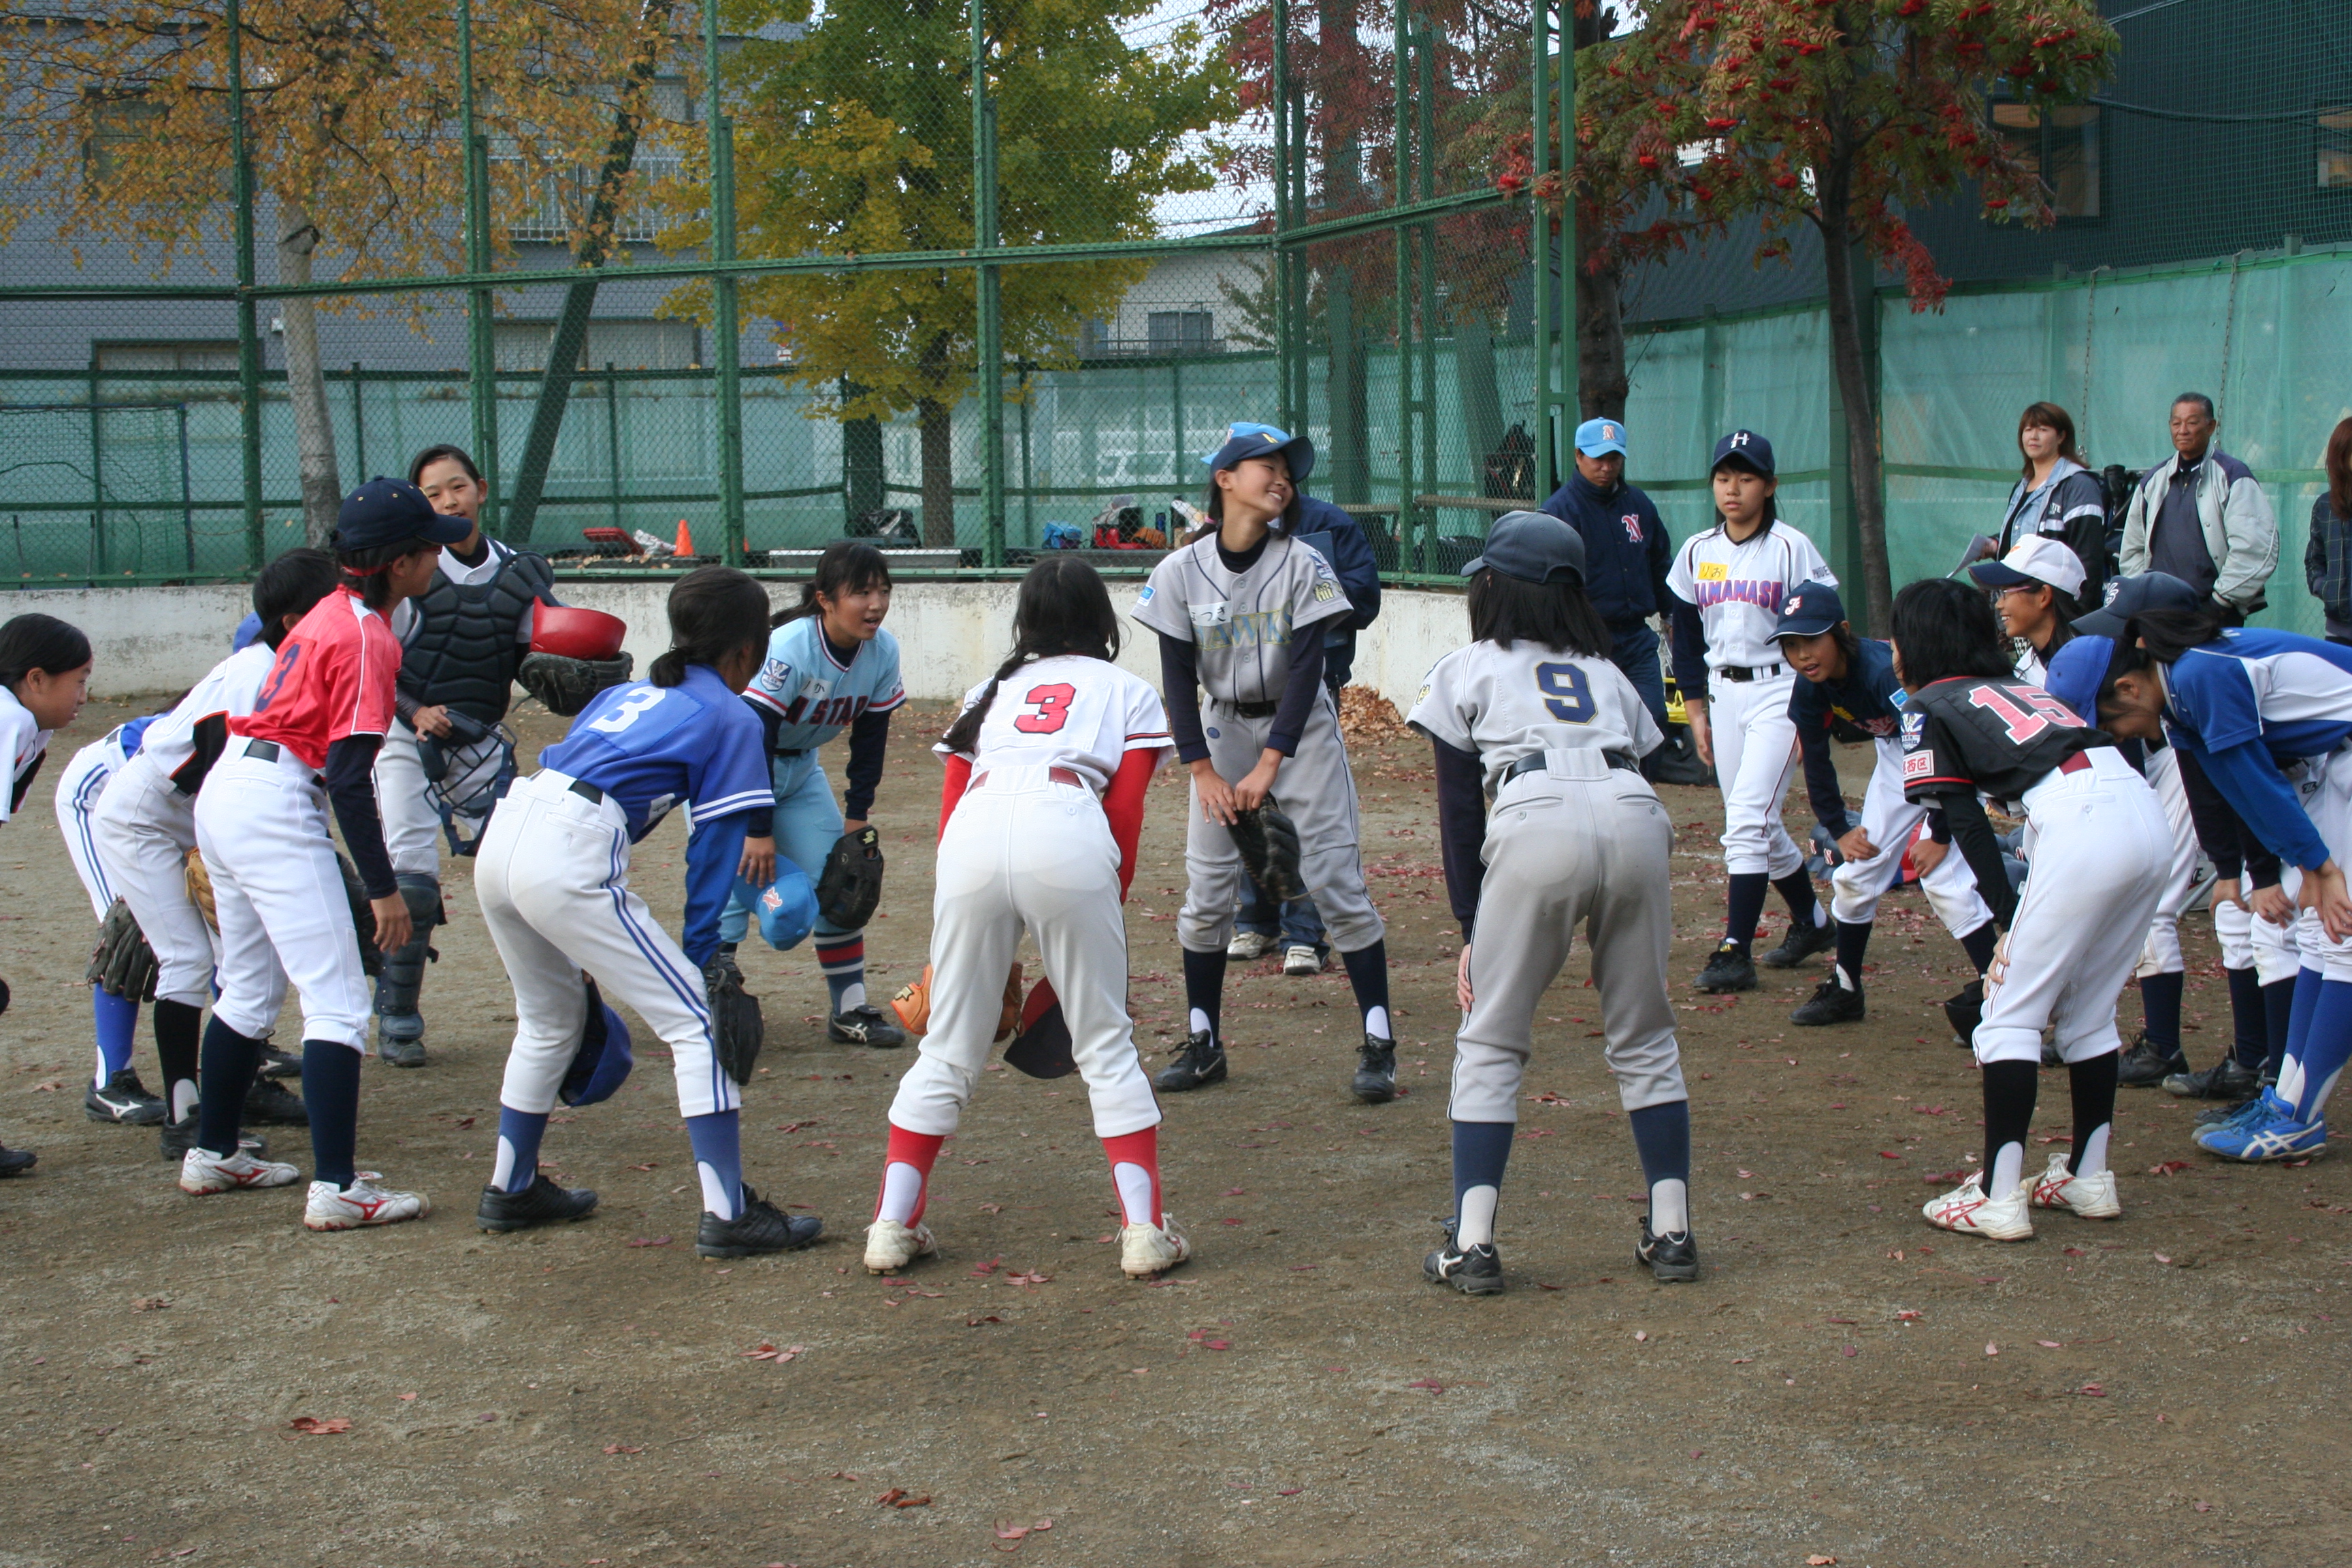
column 906, row 1175
column 1135, row 1172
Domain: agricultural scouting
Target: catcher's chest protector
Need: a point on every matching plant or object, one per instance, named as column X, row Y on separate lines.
column 463, row 651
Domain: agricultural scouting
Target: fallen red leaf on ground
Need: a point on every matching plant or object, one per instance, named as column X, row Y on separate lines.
column 316, row 1427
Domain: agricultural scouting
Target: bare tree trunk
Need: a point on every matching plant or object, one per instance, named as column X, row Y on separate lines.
column 1600, row 381
column 938, row 421
column 306, row 386
column 1854, row 391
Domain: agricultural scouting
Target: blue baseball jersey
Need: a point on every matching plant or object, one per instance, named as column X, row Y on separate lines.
column 1867, row 704
column 2254, row 701
column 814, row 695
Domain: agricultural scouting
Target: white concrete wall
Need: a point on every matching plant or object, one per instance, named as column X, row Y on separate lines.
column 950, row 635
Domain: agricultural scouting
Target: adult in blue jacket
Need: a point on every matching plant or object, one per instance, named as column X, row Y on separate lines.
column 1626, row 554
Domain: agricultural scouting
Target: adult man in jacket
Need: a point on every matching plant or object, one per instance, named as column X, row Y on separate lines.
column 1626, row 554
column 2201, row 516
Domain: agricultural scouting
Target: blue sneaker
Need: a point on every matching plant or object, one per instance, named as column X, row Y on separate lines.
column 2273, row 1135
column 2234, row 1117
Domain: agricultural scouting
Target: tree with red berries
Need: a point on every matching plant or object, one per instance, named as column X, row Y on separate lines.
column 1844, row 114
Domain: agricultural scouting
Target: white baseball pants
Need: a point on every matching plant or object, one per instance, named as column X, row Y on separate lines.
column 2325, row 790
column 411, row 828
column 2270, row 951
column 553, row 882
column 1755, row 753
column 1023, row 850
column 2102, row 853
column 145, row 827
column 79, row 786
column 1889, row 820
column 2161, row 952
column 263, row 829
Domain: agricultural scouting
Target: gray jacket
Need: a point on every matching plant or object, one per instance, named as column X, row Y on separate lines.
column 2241, row 532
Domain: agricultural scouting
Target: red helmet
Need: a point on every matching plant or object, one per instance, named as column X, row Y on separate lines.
column 576, row 633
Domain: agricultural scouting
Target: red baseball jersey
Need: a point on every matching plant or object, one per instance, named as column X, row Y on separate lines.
column 334, row 677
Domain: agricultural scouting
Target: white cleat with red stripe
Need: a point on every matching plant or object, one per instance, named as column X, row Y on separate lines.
column 2092, row 1196
column 203, row 1174
column 361, row 1203
column 1966, row 1209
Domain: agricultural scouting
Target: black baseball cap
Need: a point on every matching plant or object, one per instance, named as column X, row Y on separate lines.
column 1534, row 547
column 1744, row 449
column 2127, row 596
column 392, row 511
column 1812, row 609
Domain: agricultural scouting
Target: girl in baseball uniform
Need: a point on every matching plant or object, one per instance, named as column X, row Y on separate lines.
column 830, row 667
column 2101, row 851
column 1042, row 803
column 44, row 680
column 261, row 824
column 144, row 825
column 553, row 879
column 1232, row 610
column 115, row 1093
column 1535, row 714
column 1729, row 584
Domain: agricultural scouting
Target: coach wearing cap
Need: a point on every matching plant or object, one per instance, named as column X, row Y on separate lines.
column 1626, row 553
column 2201, row 516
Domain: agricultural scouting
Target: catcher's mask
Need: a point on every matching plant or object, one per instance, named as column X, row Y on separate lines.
column 467, row 773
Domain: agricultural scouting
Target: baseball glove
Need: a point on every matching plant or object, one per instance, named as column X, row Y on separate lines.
column 735, row 1031
column 565, row 684
column 851, row 884
column 363, row 918
column 200, row 889
column 913, row 1004
column 1268, row 842
column 123, row 963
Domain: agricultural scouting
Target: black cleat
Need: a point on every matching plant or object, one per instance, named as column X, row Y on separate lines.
column 1201, row 1063
column 1670, row 1257
column 864, row 1025
column 542, row 1202
column 15, row 1162
column 1375, row 1082
column 2228, row 1079
column 123, row 1102
column 179, row 1137
column 2145, row 1066
column 1964, row 1010
column 272, row 1104
column 1730, row 969
column 2224, row 1112
column 1473, row 1271
column 761, row 1227
column 280, row 1064
column 1831, row 1003
column 1800, row 945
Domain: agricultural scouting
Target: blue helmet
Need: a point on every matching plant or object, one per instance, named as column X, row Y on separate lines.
column 786, row 907
column 602, row 1062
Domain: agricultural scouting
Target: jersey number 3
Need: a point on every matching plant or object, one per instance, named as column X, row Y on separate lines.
column 1053, row 709
column 1566, row 697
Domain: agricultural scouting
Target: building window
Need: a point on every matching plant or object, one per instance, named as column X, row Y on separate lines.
column 122, row 130
column 2059, row 145
column 1180, row 332
column 625, row 345
column 2336, row 148
column 204, row 353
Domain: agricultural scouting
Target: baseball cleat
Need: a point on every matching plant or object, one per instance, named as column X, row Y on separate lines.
column 1671, row 1258
column 1800, row 945
column 1966, row 1210
column 1729, row 969
column 1964, row 1010
column 2092, row 1196
column 361, row 1204
column 2230, row 1115
column 1302, row 961
column 2145, row 1065
column 280, row 1064
column 16, row 1162
column 1250, row 945
column 761, row 1227
column 1201, row 1063
column 2269, row 1131
column 864, row 1025
column 542, row 1202
column 2228, row 1079
column 1375, row 1081
column 271, row 1103
column 179, row 1137
column 1831, row 1003
column 202, row 1173
column 890, row 1246
column 123, row 1100
column 1145, row 1250
column 1473, row 1271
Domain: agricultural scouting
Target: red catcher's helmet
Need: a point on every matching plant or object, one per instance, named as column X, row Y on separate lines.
column 576, row 633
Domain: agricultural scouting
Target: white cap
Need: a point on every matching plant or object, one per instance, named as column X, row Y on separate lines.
column 2037, row 558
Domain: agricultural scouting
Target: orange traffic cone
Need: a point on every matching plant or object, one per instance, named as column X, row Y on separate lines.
column 685, row 538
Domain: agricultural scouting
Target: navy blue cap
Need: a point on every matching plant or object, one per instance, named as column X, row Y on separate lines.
column 2077, row 671
column 2127, row 596
column 1534, row 547
column 391, row 511
column 1746, row 449
column 1812, row 609
column 1244, row 441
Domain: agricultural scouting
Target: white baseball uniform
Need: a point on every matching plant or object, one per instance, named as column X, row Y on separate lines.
column 22, row 741
column 84, row 779
column 2160, row 954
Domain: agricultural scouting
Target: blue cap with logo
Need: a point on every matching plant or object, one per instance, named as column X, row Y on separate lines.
column 1744, row 449
column 2127, row 596
column 1245, row 441
column 392, row 511
column 2077, row 671
column 1812, row 609
column 1534, row 547
column 1598, row 437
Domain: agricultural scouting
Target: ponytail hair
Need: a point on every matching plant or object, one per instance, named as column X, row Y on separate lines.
column 44, row 642
column 291, row 585
column 847, row 567
column 1064, row 608
column 713, row 611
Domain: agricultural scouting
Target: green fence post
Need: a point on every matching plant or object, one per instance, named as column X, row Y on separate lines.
column 726, row 325
column 187, row 501
column 1541, row 251
column 1176, row 417
column 613, row 436
column 1424, row 120
column 482, row 354
column 1285, row 307
column 1028, row 496
column 990, row 382
column 248, row 336
column 97, row 476
column 359, row 423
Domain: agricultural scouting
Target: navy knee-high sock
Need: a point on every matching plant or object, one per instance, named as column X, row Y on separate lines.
column 2159, row 1001
column 2278, row 1012
column 2008, row 1092
column 1797, row 891
column 229, row 1060
column 2248, row 1037
column 1748, row 890
column 517, row 1165
column 1662, row 1137
column 1481, row 1149
column 717, row 1140
column 1204, row 992
column 1979, row 945
column 1854, row 940
column 2092, row 1085
column 178, row 1029
column 1367, row 977
column 331, row 1090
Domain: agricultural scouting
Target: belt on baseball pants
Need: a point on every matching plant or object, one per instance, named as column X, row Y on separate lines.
column 1533, row 762
column 586, row 792
column 1751, row 671
column 270, row 751
column 1058, row 775
column 1252, row 709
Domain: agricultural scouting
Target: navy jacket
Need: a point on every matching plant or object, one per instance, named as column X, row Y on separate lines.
column 1867, row 705
column 1626, row 551
column 1359, row 577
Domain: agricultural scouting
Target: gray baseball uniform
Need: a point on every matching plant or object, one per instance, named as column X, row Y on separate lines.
column 1580, row 838
column 1242, row 625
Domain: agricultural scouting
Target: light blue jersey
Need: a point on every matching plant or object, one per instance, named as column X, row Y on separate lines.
column 2254, row 701
column 814, row 695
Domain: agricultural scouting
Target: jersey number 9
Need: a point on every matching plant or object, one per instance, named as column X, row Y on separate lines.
column 1565, row 694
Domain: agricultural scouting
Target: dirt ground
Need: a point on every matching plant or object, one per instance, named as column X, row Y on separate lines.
column 1843, row 1383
